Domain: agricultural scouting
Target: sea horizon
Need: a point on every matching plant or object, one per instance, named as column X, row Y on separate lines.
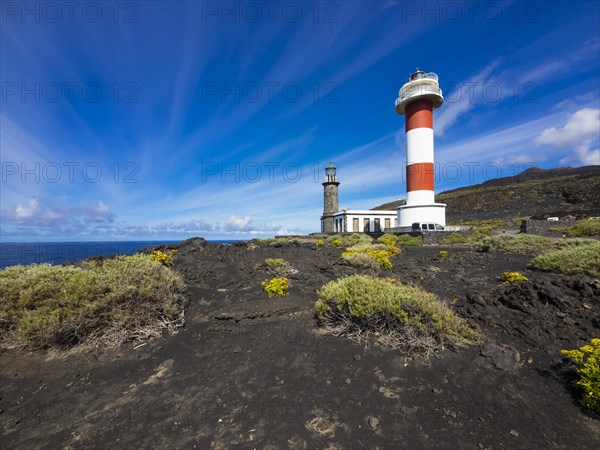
column 58, row 252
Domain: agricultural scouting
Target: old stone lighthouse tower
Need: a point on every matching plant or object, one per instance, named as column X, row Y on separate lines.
column 330, row 202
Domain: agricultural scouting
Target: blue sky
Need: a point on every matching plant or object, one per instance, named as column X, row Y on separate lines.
column 166, row 120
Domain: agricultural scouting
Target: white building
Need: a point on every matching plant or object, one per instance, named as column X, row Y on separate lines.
column 363, row 221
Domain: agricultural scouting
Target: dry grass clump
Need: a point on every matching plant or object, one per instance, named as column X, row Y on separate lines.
column 117, row 300
column 391, row 314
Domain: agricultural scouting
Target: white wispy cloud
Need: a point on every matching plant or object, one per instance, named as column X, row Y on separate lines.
column 33, row 213
column 581, row 131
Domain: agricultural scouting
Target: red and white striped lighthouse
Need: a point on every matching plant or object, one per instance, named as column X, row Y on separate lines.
column 417, row 99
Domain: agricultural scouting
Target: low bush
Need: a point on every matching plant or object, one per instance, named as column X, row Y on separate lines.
column 574, row 242
column 527, row 244
column 589, row 227
column 276, row 287
column 443, row 253
column 582, row 259
column 512, row 277
column 360, row 260
column 477, row 235
column 353, row 239
column 390, row 240
column 454, row 238
column 586, row 362
column 280, row 266
column 394, row 315
column 380, row 255
column 320, row 243
column 116, row 300
column 408, row 240
column 335, row 243
column 365, row 247
column 287, row 240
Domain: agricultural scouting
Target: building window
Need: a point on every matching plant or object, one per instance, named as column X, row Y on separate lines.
column 355, row 225
column 377, row 224
column 366, row 225
column 387, row 223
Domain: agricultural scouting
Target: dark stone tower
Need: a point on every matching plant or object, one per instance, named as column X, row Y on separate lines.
column 330, row 200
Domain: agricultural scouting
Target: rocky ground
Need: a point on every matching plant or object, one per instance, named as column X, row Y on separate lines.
column 250, row 372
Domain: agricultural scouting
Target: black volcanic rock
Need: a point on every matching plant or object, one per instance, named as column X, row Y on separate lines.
column 247, row 371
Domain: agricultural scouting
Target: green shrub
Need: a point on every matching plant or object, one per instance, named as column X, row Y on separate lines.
column 443, row 253
column 360, row 260
column 380, row 254
column 512, row 277
column 394, row 314
column 527, row 244
column 333, row 237
column 587, row 365
column 276, row 287
column 455, row 238
column 381, row 257
column 353, row 239
column 364, row 247
column 581, row 259
column 408, row 240
column 280, row 266
column 336, row 243
column 390, row 240
column 275, row 263
column 478, row 234
column 119, row 299
column 573, row 242
column 289, row 240
column 589, row 227
column 320, row 243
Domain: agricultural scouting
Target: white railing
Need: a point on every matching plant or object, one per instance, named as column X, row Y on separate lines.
column 414, row 91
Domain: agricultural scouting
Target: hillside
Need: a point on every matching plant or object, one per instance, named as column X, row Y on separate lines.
column 532, row 193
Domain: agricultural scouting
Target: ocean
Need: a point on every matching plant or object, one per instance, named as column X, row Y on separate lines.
column 12, row 253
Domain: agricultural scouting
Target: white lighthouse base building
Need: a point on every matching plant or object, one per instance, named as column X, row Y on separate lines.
column 363, row 221
column 433, row 213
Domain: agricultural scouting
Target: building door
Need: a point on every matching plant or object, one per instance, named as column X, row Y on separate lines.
column 387, row 223
column 355, row 225
column 377, row 225
column 366, row 225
